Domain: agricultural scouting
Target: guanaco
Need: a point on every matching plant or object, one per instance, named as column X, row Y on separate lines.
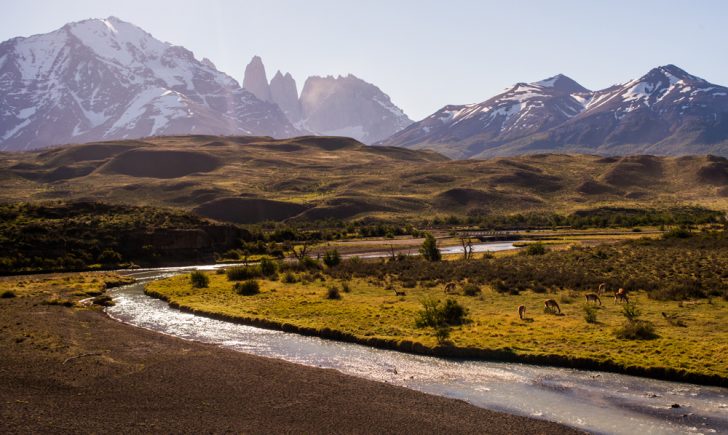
column 593, row 297
column 550, row 304
column 602, row 288
column 620, row 295
column 522, row 311
column 450, row 287
column 398, row 293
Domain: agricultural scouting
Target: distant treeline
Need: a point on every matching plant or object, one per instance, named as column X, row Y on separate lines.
column 604, row 217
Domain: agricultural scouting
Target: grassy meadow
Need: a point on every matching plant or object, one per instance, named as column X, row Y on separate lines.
column 692, row 338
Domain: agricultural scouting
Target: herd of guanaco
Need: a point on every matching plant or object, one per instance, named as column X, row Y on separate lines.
column 551, row 305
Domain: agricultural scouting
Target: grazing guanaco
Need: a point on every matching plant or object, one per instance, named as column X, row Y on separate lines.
column 521, row 311
column 620, row 295
column 602, row 288
column 398, row 293
column 550, row 304
column 450, row 287
column 593, row 297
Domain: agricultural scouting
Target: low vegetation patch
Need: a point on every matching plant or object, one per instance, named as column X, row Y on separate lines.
column 247, row 288
column 199, row 279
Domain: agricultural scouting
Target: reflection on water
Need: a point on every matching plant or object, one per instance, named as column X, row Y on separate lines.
column 594, row 401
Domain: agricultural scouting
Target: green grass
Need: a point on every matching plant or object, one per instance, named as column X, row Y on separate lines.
column 368, row 310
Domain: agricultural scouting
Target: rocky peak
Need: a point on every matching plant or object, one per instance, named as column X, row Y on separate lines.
column 255, row 80
column 562, row 83
column 284, row 93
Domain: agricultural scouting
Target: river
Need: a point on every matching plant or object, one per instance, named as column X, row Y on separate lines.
column 594, row 401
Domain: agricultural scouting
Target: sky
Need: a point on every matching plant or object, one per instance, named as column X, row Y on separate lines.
column 423, row 54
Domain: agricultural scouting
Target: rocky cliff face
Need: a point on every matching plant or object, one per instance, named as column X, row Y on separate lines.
column 331, row 106
column 284, row 93
column 255, row 80
column 108, row 79
column 349, row 106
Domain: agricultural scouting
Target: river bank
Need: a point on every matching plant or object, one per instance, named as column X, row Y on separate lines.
column 66, row 370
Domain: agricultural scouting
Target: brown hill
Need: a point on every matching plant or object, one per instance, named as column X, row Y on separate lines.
column 253, row 179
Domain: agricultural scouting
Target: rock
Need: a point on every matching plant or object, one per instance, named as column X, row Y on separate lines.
column 284, row 93
column 256, row 81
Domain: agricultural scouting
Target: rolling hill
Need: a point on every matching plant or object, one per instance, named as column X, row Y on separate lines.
column 253, row 179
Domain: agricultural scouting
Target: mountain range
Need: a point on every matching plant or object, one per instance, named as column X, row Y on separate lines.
column 665, row 112
column 329, row 106
column 106, row 79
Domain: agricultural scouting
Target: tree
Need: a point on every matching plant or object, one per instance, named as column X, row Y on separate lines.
column 467, row 247
column 429, row 249
column 332, row 258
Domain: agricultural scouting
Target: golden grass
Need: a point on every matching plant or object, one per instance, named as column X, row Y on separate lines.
column 62, row 284
column 370, row 311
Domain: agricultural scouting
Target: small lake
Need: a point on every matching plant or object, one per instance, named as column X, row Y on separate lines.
column 594, row 401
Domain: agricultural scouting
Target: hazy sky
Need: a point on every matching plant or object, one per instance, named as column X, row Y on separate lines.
column 424, row 54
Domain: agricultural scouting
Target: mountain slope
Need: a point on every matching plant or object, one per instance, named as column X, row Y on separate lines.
column 665, row 112
column 108, row 79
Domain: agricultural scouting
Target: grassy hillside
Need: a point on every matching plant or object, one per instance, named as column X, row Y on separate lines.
column 254, row 179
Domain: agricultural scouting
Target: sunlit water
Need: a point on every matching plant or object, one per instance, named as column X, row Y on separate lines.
column 594, row 401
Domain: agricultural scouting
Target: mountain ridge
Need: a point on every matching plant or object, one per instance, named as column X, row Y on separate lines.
column 666, row 112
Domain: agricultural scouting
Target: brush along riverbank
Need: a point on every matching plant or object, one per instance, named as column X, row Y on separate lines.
column 690, row 344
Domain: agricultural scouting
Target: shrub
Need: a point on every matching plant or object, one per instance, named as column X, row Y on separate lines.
column 241, row 273
column 333, row 293
column 436, row 314
column 267, row 267
column 536, row 249
column 289, row 278
column 332, row 258
column 637, row 330
column 247, row 288
column 471, row 289
column 677, row 233
column 109, row 256
column 104, row 301
column 345, row 287
column 199, row 279
column 429, row 250
column 7, row 294
column 590, row 313
column 309, row 263
column 631, row 312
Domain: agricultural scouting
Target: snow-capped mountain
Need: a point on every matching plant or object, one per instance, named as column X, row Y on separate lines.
column 522, row 110
column 331, row 106
column 667, row 111
column 108, row 79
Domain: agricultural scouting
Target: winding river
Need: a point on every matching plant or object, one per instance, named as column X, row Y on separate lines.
column 594, row 401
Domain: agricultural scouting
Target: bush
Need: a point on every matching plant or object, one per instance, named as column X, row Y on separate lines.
column 590, row 314
column 631, row 312
column 345, row 287
column 333, row 293
column 289, row 278
column 637, row 330
column 471, row 289
column 247, row 288
column 104, row 301
column 241, row 273
column 199, row 279
column 536, row 249
column 436, row 314
column 332, row 258
column 7, row 294
column 677, row 233
column 429, row 250
column 109, row 256
column 267, row 267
